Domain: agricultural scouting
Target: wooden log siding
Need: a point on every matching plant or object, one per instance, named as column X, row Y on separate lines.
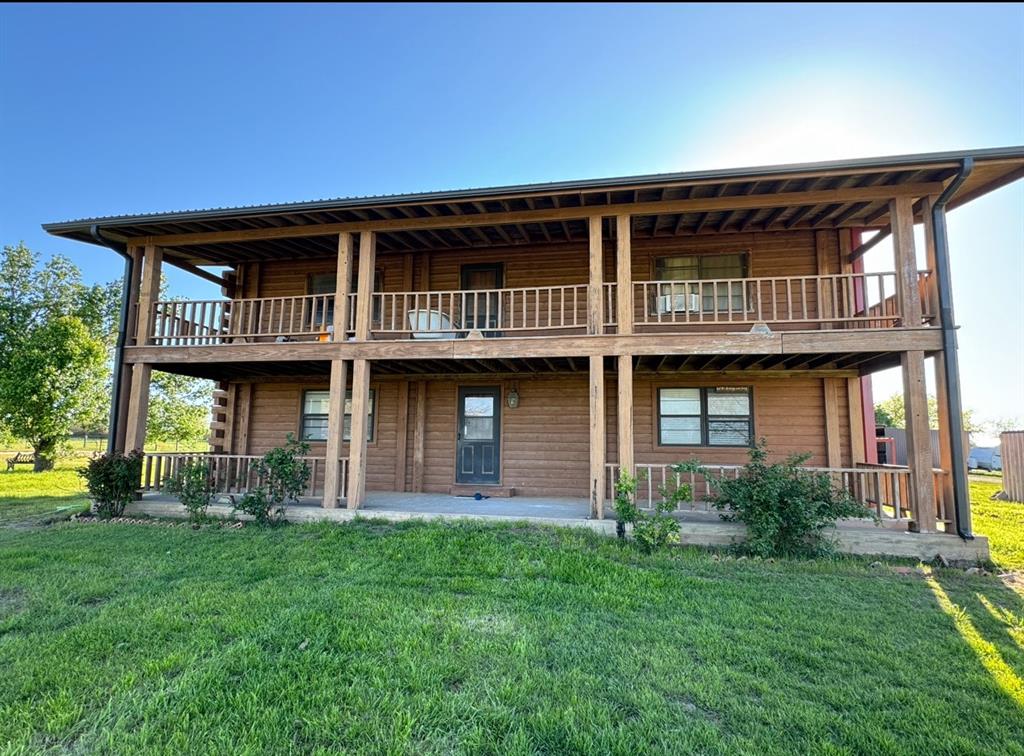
column 546, row 439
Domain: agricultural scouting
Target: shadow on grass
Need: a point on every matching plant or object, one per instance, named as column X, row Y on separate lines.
column 39, row 510
column 988, row 613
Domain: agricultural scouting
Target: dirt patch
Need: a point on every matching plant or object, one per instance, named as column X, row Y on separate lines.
column 12, row 601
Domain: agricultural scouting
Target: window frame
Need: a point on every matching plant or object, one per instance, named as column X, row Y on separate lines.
column 658, row 271
column 375, row 309
column 371, row 419
column 705, row 418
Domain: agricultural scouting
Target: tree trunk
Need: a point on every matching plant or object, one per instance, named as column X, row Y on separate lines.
column 46, row 454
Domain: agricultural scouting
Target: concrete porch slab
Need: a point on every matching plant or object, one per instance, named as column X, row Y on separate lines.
column 696, row 528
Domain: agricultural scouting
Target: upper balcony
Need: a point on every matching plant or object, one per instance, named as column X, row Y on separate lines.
column 836, row 302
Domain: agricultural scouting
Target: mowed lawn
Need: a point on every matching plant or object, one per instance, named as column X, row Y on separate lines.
column 422, row 638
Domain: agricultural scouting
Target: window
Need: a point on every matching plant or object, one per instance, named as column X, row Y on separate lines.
column 703, row 268
column 326, row 283
column 720, row 416
column 314, row 416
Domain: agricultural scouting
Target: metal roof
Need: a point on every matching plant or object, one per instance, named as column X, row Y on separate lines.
column 995, row 167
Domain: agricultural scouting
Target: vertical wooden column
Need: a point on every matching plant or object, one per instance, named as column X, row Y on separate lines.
column 623, row 275
column 854, row 402
column 138, row 407
column 339, row 375
column 401, row 435
column 138, row 399
column 946, row 460
column 833, row 448
column 364, row 289
column 335, row 429
column 625, row 414
column 598, row 429
column 595, row 287
column 240, row 442
column 419, row 435
column 357, row 442
column 915, row 397
column 919, row 446
column 149, row 292
column 827, row 305
column 131, row 325
column 901, row 216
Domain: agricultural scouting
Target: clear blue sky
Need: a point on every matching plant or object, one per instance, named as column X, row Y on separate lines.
column 127, row 109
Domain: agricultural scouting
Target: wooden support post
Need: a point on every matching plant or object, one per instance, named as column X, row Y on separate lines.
column 946, row 461
column 407, row 271
column 919, row 447
column 335, row 430
column 826, row 266
column 855, row 407
column 623, row 275
column 364, row 289
column 595, row 287
column 149, row 292
column 625, row 414
column 138, row 407
column 240, row 443
column 833, row 447
column 342, row 287
column 598, row 430
column 401, row 434
column 357, row 442
column 901, row 211
column 339, row 375
column 131, row 327
column 419, row 435
column 931, row 262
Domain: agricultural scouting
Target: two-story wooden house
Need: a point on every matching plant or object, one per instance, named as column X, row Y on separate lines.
column 536, row 340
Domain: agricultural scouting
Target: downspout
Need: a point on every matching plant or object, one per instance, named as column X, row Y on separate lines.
column 950, row 361
column 122, row 329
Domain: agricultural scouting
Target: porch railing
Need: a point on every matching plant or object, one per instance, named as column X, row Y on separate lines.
column 231, row 473
column 884, row 489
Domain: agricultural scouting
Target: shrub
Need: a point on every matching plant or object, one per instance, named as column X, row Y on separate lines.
column 112, row 480
column 194, row 487
column 785, row 507
column 652, row 530
column 281, row 477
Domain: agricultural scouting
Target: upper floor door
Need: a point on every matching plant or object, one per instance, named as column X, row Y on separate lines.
column 482, row 309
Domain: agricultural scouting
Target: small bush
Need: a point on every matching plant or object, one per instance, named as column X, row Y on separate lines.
column 193, row 485
column 785, row 507
column 653, row 530
column 281, row 477
column 112, row 480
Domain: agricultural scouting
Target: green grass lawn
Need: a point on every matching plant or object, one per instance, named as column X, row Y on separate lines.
column 422, row 638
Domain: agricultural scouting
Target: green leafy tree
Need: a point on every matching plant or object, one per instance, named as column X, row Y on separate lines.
column 43, row 308
column 44, row 381
column 179, row 409
column 891, row 412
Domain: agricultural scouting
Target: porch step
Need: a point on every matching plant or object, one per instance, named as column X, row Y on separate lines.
column 469, row 489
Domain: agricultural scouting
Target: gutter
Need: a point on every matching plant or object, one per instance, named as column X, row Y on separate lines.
column 122, row 330
column 950, row 361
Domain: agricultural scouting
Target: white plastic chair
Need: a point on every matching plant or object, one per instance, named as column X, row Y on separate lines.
column 430, row 324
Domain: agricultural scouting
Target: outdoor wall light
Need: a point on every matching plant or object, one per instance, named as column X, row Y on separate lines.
column 512, row 398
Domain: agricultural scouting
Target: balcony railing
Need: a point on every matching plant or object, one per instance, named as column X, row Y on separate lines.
column 841, row 301
column 230, row 473
column 844, row 300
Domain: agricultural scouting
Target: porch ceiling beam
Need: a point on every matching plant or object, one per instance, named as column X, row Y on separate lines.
column 196, row 271
column 512, row 217
column 772, row 217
